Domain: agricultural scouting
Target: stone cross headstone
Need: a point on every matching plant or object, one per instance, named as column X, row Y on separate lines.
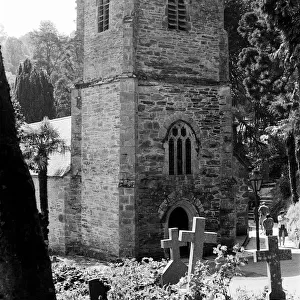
column 175, row 269
column 273, row 256
column 97, row 289
column 197, row 237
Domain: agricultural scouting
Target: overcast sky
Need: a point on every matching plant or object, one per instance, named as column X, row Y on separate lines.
column 19, row 16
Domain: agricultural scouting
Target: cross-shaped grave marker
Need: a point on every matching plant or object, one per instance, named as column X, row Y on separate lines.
column 197, row 237
column 175, row 269
column 273, row 256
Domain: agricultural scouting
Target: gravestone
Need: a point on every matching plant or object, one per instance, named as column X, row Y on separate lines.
column 175, row 269
column 97, row 289
column 273, row 256
column 197, row 237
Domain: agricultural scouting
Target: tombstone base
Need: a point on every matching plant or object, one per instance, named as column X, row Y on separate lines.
column 278, row 295
column 173, row 271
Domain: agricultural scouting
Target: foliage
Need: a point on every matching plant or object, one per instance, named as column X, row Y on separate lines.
column 234, row 10
column 38, row 144
column 14, row 52
column 25, row 271
column 20, row 119
column 60, row 57
column 293, row 215
column 131, row 279
column 271, row 68
column 34, row 92
column 48, row 47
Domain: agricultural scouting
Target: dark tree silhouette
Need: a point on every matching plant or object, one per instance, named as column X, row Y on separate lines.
column 25, row 267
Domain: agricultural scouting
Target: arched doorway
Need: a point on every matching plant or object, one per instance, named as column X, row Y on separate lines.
column 179, row 218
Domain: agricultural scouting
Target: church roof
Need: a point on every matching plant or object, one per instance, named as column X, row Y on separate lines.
column 59, row 164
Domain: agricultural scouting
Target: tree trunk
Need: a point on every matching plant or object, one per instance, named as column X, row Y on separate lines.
column 44, row 217
column 25, row 267
column 292, row 162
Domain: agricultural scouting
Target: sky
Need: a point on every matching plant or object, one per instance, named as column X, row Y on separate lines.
column 19, row 16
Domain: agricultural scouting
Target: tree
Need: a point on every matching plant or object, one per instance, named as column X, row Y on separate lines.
column 38, row 144
column 60, row 57
column 3, row 34
column 70, row 72
column 14, row 53
column 34, row 92
column 25, row 267
column 48, row 47
column 271, row 77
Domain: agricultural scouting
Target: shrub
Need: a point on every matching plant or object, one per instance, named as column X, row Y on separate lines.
column 293, row 215
column 134, row 280
column 71, row 281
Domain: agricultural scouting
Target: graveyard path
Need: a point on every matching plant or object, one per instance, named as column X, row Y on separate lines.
column 254, row 276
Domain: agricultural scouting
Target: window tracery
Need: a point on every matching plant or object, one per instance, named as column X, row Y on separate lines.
column 180, row 141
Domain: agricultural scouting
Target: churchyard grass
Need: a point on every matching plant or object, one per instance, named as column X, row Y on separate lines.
column 132, row 279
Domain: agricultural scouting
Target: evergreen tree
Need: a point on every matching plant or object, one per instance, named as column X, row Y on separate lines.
column 34, row 92
column 25, row 267
column 270, row 68
column 59, row 56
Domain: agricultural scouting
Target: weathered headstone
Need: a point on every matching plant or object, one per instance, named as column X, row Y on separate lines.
column 97, row 289
column 273, row 256
column 197, row 237
column 175, row 269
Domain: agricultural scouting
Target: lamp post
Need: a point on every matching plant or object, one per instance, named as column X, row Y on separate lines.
column 256, row 180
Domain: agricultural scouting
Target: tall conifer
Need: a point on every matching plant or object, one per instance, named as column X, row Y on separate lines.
column 34, row 92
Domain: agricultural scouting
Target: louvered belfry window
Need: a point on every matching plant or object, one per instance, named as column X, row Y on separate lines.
column 177, row 15
column 180, row 140
column 103, row 15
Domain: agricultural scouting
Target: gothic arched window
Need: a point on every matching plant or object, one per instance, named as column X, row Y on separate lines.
column 180, row 144
column 177, row 15
column 103, row 15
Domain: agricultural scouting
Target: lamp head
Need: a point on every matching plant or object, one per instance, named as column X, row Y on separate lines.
column 256, row 179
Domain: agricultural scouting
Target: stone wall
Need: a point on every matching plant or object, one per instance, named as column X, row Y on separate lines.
column 192, row 55
column 58, row 195
column 102, row 51
column 241, row 173
column 183, row 75
column 100, row 167
column 207, row 110
column 140, row 78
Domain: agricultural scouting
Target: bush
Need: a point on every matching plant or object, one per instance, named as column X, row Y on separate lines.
column 134, row 280
column 131, row 279
column 293, row 215
column 71, row 281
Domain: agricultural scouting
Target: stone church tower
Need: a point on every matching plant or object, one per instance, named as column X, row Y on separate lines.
column 151, row 126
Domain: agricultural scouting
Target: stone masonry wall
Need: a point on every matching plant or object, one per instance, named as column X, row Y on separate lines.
column 184, row 76
column 140, row 78
column 206, row 110
column 100, row 169
column 242, row 196
column 58, row 193
column 171, row 54
column 103, row 54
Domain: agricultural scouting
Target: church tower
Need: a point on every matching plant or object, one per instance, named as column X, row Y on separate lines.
column 151, row 126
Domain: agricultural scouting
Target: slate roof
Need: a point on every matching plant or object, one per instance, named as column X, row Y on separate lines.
column 59, row 164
